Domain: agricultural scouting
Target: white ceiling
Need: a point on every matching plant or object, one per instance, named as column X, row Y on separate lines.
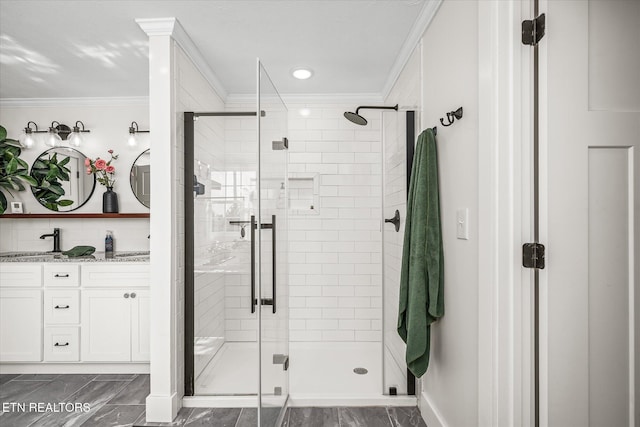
column 94, row 48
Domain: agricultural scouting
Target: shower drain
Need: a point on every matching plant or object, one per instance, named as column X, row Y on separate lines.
column 360, row 371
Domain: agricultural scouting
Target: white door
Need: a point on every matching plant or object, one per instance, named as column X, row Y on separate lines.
column 590, row 200
column 21, row 325
column 106, row 326
column 140, row 322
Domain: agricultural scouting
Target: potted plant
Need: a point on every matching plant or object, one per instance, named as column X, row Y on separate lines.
column 104, row 172
column 14, row 172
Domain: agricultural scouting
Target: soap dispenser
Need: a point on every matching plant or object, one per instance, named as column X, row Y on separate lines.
column 108, row 245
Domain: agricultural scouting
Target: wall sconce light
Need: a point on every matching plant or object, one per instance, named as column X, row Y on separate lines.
column 75, row 138
column 56, row 133
column 133, row 130
column 27, row 138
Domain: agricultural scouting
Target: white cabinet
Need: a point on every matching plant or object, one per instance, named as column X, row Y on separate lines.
column 115, row 325
column 140, row 322
column 74, row 312
column 21, row 323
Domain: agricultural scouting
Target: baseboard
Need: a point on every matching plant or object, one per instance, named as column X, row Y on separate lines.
column 220, row 401
column 74, row 368
column 162, row 409
column 429, row 413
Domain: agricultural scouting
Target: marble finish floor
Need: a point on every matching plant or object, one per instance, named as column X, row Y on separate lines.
column 118, row 400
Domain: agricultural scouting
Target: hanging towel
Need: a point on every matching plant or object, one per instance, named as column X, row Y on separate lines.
column 422, row 275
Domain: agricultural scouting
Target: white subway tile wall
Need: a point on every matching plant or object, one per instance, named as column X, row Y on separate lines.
column 335, row 264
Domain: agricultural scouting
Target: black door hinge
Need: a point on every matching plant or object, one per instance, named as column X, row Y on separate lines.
column 533, row 255
column 533, row 30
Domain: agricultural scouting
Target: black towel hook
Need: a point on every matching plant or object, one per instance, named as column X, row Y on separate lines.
column 451, row 117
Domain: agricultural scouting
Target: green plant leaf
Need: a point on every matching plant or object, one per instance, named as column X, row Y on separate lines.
column 65, row 202
column 12, row 166
column 27, row 180
column 64, row 161
column 3, row 135
column 13, row 143
column 53, row 172
column 3, row 199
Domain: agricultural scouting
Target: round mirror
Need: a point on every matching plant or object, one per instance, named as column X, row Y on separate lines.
column 140, row 178
column 63, row 184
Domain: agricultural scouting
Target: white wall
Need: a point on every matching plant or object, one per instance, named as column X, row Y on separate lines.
column 108, row 121
column 335, row 255
column 450, row 80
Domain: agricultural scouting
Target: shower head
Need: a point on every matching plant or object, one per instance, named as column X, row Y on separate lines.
column 355, row 118
column 358, row 119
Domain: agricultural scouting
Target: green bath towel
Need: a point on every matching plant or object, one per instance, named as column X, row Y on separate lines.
column 422, row 275
column 78, row 251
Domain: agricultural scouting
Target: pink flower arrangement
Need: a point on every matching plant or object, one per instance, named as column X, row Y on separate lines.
column 102, row 169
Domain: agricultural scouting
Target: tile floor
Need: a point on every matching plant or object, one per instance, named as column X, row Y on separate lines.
column 118, row 400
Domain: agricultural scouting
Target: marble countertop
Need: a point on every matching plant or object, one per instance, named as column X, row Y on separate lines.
column 119, row 256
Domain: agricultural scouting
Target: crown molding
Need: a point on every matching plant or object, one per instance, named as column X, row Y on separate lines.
column 172, row 27
column 75, row 102
column 312, row 98
column 421, row 24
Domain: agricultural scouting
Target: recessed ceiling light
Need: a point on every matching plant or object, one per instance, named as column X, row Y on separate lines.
column 305, row 112
column 302, row 73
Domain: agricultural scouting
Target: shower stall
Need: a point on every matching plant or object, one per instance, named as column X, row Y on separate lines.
column 236, row 276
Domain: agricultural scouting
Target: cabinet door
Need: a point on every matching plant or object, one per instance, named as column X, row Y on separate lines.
column 106, row 326
column 21, row 325
column 140, row 322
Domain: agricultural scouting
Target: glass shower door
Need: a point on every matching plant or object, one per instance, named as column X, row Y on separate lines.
column 273, row 242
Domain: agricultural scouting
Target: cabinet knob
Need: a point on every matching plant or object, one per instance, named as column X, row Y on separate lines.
column 61, row 307
column 61, row 345
column 61, row 275
column 126, row 295
column 133, row 294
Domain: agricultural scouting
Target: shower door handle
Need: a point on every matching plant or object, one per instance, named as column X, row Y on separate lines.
column 273, row 263
column 263, row 301
column 253, row 264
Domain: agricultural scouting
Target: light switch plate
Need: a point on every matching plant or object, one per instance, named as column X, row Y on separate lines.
column 462, row 224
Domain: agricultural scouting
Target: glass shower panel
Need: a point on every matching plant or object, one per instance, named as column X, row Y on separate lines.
column 274, row 307
column 225, row 201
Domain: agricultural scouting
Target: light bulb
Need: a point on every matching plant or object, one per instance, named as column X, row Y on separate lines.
column 53, row 140
column 26, row 139
column 29, row 141
column 132, row 141
column 75, row 139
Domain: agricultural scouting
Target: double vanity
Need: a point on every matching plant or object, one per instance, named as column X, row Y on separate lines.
column 74, row 315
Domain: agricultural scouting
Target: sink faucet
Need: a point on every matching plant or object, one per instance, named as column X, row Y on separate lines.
column 56, row 239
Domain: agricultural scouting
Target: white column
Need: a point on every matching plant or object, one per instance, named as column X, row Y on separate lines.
column 163, row 403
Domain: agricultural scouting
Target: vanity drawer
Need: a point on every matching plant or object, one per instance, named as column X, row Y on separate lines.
column 22, row 275
column 61, row 344
column 115, row 274
column 62, row 274
column 61, row 307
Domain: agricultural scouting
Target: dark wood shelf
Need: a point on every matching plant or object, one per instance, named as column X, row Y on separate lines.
column 61, row 215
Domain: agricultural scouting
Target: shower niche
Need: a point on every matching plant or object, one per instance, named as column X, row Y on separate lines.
column 304, row 194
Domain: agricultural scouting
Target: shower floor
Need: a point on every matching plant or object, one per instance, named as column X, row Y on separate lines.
column 322, row 369
column 325, row 369
column 234, row 371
